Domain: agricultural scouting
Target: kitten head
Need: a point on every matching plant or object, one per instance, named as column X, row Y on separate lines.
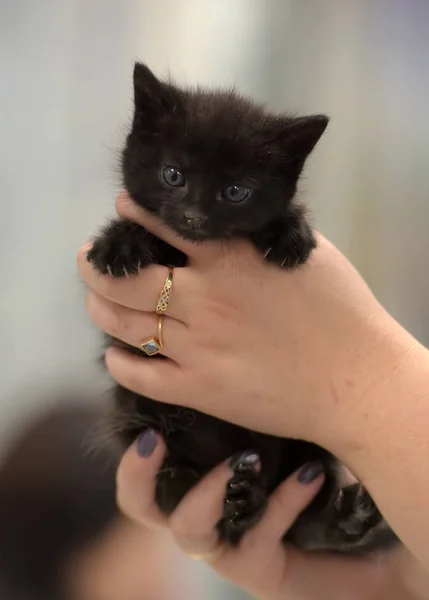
column 212, row 164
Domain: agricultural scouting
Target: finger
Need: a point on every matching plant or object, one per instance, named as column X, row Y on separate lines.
column 286, row 503
column 136, row 479
column 203, row 252
column 136, row 327
column 194, row 521
column 141, row 291
column 163, row 380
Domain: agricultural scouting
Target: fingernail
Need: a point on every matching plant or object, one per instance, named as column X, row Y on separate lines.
column 249, row 458
column 146, row 443
column 310, row 471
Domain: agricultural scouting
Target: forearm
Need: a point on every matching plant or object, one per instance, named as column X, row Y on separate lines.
column 384, row 440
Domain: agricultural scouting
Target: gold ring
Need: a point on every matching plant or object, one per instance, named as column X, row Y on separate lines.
column 208, row 556
column 160, row 318
column 165, row 295
column 154, row 345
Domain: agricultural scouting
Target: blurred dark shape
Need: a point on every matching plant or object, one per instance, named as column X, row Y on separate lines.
column 55, row 499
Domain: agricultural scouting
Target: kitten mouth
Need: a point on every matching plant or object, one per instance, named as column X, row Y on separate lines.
column 195, row 235
column 201, row 235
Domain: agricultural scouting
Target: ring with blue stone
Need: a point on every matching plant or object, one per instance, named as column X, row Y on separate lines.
column 153, row 345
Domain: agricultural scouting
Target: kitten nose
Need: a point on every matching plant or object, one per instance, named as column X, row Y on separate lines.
column 193, row 217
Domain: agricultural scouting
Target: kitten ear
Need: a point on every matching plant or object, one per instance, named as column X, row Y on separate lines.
column 152, row 98
column 298, row 136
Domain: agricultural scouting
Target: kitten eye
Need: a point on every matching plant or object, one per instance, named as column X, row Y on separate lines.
column 173, row 176
column 236, row 193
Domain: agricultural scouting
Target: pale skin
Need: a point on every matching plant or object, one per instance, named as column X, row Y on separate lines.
column 262, row 564
column 308, row 354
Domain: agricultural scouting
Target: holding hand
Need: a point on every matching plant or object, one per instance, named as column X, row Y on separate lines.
column 308, row 353
column 262, row 564
column 242, row 335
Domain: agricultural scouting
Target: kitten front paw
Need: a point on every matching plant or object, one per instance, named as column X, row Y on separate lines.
column 244, row 505
column 289, row 242
column 122, row 248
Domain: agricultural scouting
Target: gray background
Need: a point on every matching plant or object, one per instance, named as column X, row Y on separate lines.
column 65, row 97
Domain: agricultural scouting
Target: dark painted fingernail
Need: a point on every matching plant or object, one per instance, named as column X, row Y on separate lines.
column 146, row 443
column 310, row 471
column 249, row 458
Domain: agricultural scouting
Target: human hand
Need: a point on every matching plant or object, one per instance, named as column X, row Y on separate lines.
column 283, row 352
column 261, row 564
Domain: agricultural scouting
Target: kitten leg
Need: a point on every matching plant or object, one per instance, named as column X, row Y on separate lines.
column 123, row 247
column 350, row 524
column 361, row 526
column 173, row 483
column 355, row 510
column 287, row 242
column 244, row 504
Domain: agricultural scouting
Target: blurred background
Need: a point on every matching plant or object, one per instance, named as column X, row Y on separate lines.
column 65, row 101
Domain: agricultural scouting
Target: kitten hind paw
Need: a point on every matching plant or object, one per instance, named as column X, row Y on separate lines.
column 356, row 511
column 244, row 505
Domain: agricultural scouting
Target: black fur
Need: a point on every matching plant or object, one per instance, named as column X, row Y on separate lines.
column 218, row 139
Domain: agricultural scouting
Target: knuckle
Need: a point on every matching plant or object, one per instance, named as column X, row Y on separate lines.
column 117, row 324
column 122, row 201
column 181, row 527
column 120, row 325
column 217, row 298
column 186, row 531
column 124, row 505
column 104, row 285
column 128, row 378
column 133, row 381
column 223, row 308
column 136, row 511
column 198, row 372
column 209, row 325
column 202, row 335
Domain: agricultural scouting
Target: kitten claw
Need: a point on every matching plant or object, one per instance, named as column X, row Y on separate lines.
column 243, row 506
column 126, row 273
column 268, row 251
column 109, row 270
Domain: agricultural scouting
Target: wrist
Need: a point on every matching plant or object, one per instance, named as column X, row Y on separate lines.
column 380, row 433
column 384, row 367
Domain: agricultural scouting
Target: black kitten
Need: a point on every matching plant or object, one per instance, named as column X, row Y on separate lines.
column 213, row 165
